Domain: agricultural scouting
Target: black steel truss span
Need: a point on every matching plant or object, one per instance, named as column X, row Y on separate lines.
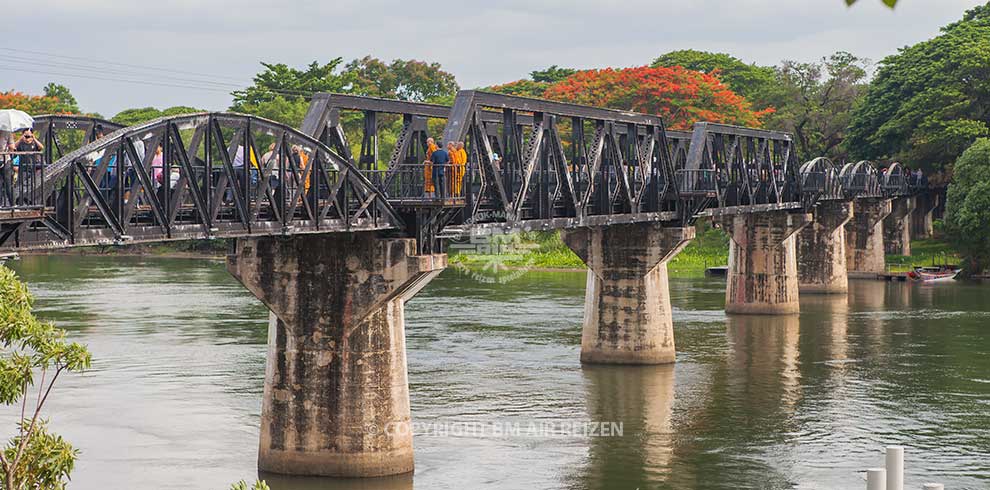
column 534, row 162
column 196, row 176
column 532, row 165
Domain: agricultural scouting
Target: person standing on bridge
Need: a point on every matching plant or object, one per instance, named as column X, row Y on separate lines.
column 29, row 163
column 431, row 146
column 6, row 174
column 439, row 159
column 460, row 164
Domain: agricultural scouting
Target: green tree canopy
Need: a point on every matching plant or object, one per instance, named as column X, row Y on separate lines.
column 537, row 83
column 814, row 102
column 967, row 212
column 130, row 117
column 930, row 101
column 282, row 93
column 756, row 83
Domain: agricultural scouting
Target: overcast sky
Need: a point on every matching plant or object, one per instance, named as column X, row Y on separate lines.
column 193, row 52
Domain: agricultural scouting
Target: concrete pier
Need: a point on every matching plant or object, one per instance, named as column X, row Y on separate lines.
column 864, row 236
column 822, row 250
column 921, row 219
column 762, row 276
column 897, row 226
column 336, row 397
column 627, row 317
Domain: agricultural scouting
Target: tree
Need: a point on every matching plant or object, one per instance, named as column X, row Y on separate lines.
column 930, row 101
column 967, row 211
column 536, row 84
column 552, row 74
column 401, row 79
column 814, row 102
column 679, row 96
column 57, row 100
column 34, row 457
column 282, row 93
column 756, row 83
column 130, row 117
column 66, row 102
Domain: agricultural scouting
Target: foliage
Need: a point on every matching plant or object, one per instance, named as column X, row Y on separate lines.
column 130, row 117
column 930, row 101
column 282, row 93
column 522, row 88
column 536, row 84
column 243, row 485
column 755, row 83
column 57, row 100
column 967, row 211
column 928, row 252
column 814, row 102
column 678, row 95
column 33, row 458
column 401, row 79
column 889, row 3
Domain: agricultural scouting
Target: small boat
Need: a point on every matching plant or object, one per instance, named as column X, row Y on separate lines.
column 934, row 274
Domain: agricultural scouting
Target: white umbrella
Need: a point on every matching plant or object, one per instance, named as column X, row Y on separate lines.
column 15, row 120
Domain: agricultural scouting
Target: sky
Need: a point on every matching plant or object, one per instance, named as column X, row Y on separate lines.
column 118, row 54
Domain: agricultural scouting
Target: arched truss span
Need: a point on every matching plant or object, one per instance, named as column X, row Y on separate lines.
column 198, row 176
column 894, row 180
column 62, row 133
column 820, row 181
column 860, row 179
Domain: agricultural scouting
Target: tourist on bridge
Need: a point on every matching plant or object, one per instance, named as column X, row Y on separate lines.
column 30, row 163
column 460, row 164
column 6, row 174
column 440, row 158
column 431, row 146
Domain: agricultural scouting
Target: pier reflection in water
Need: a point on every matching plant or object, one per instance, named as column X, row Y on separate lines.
column 802, row 401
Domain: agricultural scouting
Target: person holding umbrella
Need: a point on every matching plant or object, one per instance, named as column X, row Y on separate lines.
column 10, row 120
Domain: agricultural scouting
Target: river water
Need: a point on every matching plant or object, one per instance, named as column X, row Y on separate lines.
column 500, row 400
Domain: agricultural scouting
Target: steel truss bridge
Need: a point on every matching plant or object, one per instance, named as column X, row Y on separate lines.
column 532, row 165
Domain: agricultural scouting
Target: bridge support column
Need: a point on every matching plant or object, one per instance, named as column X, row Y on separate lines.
column 627, row 318
column 897, row 226
column 864, row 236
column 921, row 218
column 762, row 277
column 336, row 398
column 822, row 249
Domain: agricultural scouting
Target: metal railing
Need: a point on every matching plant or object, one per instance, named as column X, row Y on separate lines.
column 696, row 182
column 423, row 182
column 20, row 171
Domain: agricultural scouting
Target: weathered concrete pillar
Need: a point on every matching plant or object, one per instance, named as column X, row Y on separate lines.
column 921, row 219
column 336, row 399
column 864, row 236
column 762, row 277
column 897, row 226
column 822, row 249
column 627, row 316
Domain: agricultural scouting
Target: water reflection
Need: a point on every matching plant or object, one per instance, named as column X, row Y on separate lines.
column 753, row 402
column 285, row 482
column 641, row 399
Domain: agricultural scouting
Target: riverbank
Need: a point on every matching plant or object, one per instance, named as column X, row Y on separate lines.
column 546, row 251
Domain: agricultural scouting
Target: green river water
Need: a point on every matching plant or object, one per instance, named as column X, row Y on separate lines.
column 174, row 395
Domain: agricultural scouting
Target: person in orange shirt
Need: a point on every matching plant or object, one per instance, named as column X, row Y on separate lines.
column 431, row 146
column 460, row 164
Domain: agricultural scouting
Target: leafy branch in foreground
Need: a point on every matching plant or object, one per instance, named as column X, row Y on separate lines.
column 34, row 354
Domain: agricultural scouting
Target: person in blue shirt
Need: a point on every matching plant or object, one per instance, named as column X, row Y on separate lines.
column 440, row 159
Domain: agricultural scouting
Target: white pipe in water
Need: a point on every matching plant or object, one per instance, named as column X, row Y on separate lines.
column 895, row 467
column 876, row 479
